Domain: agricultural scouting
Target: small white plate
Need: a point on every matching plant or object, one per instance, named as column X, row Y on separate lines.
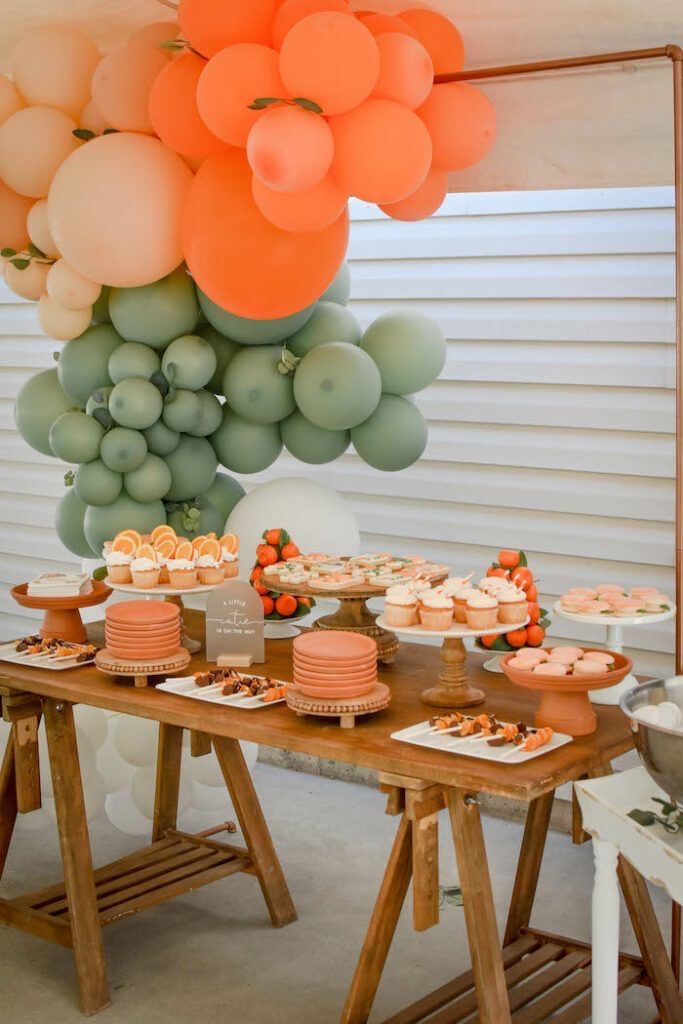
column 55, row 664
column 472, row 746
column 186, row 687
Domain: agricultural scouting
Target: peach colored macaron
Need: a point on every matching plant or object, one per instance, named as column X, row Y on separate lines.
column 565, row 655
column 524, row 664
column 589, row 667
column 641, row 591
column 604, row 589
column 550, row 668
column 586, row 592
column 602, row 656
column 537, row 653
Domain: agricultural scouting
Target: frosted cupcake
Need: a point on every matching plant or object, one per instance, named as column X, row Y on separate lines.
column 455, row 583
column 182, row 573
column 145, row 573
column 460, row 598
column 400, row 607
column 209, row 570
column 482, row 611
column 513, row 606
column 118, row 566
column 436, row 610
column 230, row 563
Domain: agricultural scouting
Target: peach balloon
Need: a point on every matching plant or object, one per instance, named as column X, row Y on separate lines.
column 440, row 38
column 211, row 25
column 115, row 209
column 406, row 72
column 13, row 213
column 38, row 229
column 382, row 151
column 424, row 201
column 312, row 210
column 122, row 83
column 290, row 149
column 292, row 11
column 462, row 124
column 62, row 324
column 232, row 80
column 92, row 120
column 10, row 100
column 378, row 24
column 331, row 59
column 33, row 144
column 173, row 109
column 240, row 260
column 52, row 66
column 67, row 288
column 28, row 283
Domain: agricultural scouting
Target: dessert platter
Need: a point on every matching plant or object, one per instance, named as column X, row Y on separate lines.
column 142, row 639
column 483, row 736
column 52, row 652
column 228, row 688
column 62, row 603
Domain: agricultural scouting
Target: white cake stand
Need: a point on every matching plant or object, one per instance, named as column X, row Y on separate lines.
column 453, row 689
column 615, row 624
column 175, row 596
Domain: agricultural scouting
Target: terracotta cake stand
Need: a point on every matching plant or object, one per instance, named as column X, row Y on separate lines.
column 346, row 709
column 62, row 617
column 140, row 671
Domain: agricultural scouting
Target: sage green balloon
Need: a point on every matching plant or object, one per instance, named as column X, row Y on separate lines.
column 337, row 386
column 136, row 403
column 212, row 414
column 123, row 450
column 83, row 365
column 330, row 322
column 224, row 493
column 100, row 311
column 182, row 411
column 161, row 440
column 394, row 437
column 41, row 400
column 133, row 360
column 103, row 523
column 244, row 447
column 312, row 444
column 155, row 314
column 69, row 519
column 189, row 362
column 150, row 481
column 96, row 484
column 225, row 349
column 254, row 387
column 193, row 466
column 340, row 289
column 252, row 332
column 76, row 437
column 192, row 521
column 409, row 349
column 98, row 400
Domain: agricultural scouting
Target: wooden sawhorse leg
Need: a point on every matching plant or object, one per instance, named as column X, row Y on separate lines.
column 169, row 754
column 8, row 801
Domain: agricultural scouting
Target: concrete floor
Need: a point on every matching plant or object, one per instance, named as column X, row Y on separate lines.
column 212, row 956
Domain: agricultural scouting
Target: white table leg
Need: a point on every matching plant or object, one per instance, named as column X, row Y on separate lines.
column 605, row 933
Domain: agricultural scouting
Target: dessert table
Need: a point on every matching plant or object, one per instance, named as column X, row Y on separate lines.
column 530, row 973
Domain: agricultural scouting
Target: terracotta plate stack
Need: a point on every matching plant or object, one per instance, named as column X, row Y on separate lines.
column 334, row 664
column 142, row 630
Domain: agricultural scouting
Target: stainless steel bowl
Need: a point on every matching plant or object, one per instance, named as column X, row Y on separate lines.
column 661, row 750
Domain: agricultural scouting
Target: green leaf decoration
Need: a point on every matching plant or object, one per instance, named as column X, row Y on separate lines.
column 35, row 251
column 173, row 44
column 103, row 417
column 522, row 559
column 100, row 573
column 20, row 264
column 450, row 896
column 69, row 478
column 110, row 131
column 7, row 252
column 83, row 133
column 315, row 108
column 667, row 807
column 160, row 383
column 55, row 356
column 544, row 622
column 645, row 818
column 263, row 102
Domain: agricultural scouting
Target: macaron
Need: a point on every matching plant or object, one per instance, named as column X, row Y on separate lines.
column 550, row 668
column 629, row 606
column 589, row 667
column 604, row 589
column 523, row 664
column 533, row 652
column 565, row 655
column 586, row 592
column 641, row 591
column 602, row 656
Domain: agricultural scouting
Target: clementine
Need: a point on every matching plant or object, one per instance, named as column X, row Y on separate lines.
column 517, row 638
column 535, row 636
column 268, row 604
column 508, row 559
column 286, row 605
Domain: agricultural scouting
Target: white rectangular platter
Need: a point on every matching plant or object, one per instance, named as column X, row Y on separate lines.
column 186, row 687
column 474, row 746
column 50, row 661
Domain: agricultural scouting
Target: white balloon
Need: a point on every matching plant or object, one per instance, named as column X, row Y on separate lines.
column 60, row 323
column 250, row 751
column 136, row 739
column 204, row 770
column 142, row 791
column 93, row 723
column 94, row 795
column 124, row 815
column 209, row 798
column 116, row 772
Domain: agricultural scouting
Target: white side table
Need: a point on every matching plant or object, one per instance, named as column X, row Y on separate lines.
column 657, row 855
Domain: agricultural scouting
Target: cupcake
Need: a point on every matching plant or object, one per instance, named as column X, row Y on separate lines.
column 400, row 607
column 231, row 564
column 145, row 573
column 436, row 610
column 460, row 598
column 209, row 570
column 182, row 573
column 493, row 584
column 482, row 611
column 513, row 606
column 118, row 566
column 455, row 583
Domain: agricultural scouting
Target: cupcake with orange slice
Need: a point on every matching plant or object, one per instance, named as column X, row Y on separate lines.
column 165, row 546
column 230, row 545
column 118, row 557
column 145, row 569
column 210, row 569
column 182, row 567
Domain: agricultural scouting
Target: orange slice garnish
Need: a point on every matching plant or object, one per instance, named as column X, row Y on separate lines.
column 146, row 551
column 184, row 550
column 197, row 542
column 165, row 547
column 126, row 545
column 212, row 548
column 163, row 530
column 212, row 535
column 133, row 534
column 230, row 542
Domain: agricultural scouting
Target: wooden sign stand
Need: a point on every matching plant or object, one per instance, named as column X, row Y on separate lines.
column 234, row 626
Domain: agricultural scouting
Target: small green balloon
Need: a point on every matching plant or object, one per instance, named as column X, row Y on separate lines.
column 96, row 484
column 69, row 519
column 244, row 447
column 155, row 314
column 254, row 387
column 210, row 519
column 340, row 289
column 100, row 311
column 133, row 360
column 337, row 386
column 161, row 440
column 225, row 349
column 41, row 400
column 123, row 450
column 224, row 493
column 103, row 523
column 330, row 322
column 76, row 437
column 135, row 403
column 98, row 400
column 312, row 444
column 182, row 411
column 83, row 365
column 189, row 362
column 212, row 414
column 193, row 466
column 150, row 481
column 394, row 437
column 409, row 349
column 252, row 332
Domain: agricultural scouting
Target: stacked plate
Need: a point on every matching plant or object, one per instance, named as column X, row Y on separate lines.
column 334, row 664
column 142, row 630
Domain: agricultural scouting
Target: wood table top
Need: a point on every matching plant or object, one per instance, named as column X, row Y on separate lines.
column 369, row 744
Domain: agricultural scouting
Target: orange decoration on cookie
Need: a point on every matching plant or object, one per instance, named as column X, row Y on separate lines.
column 184, row 550
column 230, row 542
column 212, row 548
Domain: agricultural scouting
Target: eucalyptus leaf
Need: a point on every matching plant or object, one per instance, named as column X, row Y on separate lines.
column 262, row 102
column 103, row 417
column 523, row 559
column 160, row 382
column 301, row 101
column 450, row 895
column 69, row 478
column 667, row 807
column 645, row 818
column 55, row 356
column 83, row 133
column 35, row 251
column 20, row 264
column 7, row 252
column 173, row 44
column 110, row 131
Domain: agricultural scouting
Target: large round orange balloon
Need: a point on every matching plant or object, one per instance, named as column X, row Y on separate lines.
column 10, row 100
column 115, row 209
column 13, row 213
column 381, row 23
column 440, row 38
column 462, row 123
column 312, row 210
column 173, row 109
column 382, row 151
column 230, row 82
column 424, row 201
column 406, row 72
column 331, row 59
column 122, row 83
column 290, row 149
column 33, row 143
column 240, row 260
column 211, row 25
column 52, row 66
column 292, row 11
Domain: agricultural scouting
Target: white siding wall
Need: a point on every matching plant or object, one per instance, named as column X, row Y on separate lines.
column 551, row 428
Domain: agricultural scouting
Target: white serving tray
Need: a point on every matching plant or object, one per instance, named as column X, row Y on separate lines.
column 185, row 686
column 472, row 746
column 459, row 630
column 50, row 661
column 644, row 619
column 162, row 591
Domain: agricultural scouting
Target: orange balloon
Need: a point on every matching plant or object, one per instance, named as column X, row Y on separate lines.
column 462, row 123
column 33, row 143
column 10, row 100
column 240, row 260
column 290, row 149
column 173, row 109
column 211, row 25
column 292, row 11
column 299, row 212
column 440, row 38
column 424, row 201
column 13, row 213
column 331, row 59
column 232, row 80
column 380, row 23
column 406, row 72
column 122, row 83
column 52, row 66
column 382, row 151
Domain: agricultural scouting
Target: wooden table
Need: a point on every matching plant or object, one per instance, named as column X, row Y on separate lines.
column 418, row 782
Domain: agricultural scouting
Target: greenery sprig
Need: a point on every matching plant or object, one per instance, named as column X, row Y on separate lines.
column 22, row 260
column 288, row 362
column 85, row 134
column 263, row 102
column 671, row 817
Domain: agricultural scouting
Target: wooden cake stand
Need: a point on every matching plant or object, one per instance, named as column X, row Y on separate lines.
column 175, row 596
column 142, row 670
column 62, row 617
column 345, row 709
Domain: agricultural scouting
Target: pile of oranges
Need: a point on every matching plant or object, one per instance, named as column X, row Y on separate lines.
column 512, row 565
column 163, row 543
column 277, row 547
